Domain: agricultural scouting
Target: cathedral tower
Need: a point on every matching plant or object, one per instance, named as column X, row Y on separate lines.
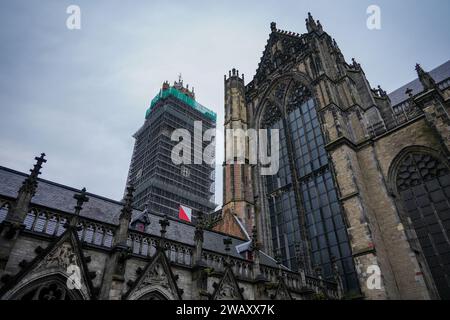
column 238, row 199
column 343, row 198
column 173, row 119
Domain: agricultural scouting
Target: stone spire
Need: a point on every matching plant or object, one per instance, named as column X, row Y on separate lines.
column 337, row 276
column 255, row 247
column 227, row 242
column 164, row 223
column 198, row 239
column 13, row 223
column 26, row 192
column 125, row 217
column 255, row 244
column 30, row 183
column 273, row 26
column 115, row 269
column 199, row 275
column 299, row 256
column 310, row 23
column 425, row 78
column 81, row 199
column 127, row 209
column 278, row 259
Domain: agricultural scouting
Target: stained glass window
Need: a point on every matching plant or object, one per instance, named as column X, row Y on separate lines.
column 423, row 183
column 324, row 218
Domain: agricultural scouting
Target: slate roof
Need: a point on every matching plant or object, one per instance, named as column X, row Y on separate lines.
column 60, row 197
column 439, row 74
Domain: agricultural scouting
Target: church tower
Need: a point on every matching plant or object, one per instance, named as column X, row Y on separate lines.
column 163, row 185
column 238, row 199
column 341, row 199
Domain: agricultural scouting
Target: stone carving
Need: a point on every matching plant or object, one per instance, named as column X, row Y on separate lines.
column 228, row 291
column 280, row 49
column 299, row 95
column 228, row 288
column 279, row 92
column 61, row 257
column 282, row 292
column 412, row 110
column 271, row 115
column 156, row 276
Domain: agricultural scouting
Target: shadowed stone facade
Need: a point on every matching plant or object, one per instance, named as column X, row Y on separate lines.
column 59, row 243
column 378, row 162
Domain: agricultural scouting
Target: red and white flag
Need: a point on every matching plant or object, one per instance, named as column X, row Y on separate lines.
column 185, row 213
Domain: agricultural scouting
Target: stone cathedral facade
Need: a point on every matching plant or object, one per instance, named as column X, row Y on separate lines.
column 364, row 179
column 362, row 189
column 59, row 243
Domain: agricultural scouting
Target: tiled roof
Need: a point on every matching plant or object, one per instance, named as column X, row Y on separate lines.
column 59, row 197
column 439, row 74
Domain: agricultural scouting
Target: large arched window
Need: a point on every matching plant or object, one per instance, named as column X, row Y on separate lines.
column 303, row 155
column 48, row 289
column 154, row 295
column 423, row 185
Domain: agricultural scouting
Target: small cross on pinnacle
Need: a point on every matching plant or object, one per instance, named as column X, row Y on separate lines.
column 198, row 235
column 273, row 26
column 318, row 270
column 409, row 92
column 255, row 244
column 419, row 68
column 227, row 242
column 164, row 224
column 278, row 257
column 200, row 218
column 129, row 195
column 30, row 183
column 127, row 209
column 81, row 198
column 40, row 160
column 254, row 234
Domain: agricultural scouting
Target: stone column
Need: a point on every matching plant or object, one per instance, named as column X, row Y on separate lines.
column 13, row 223
column 199, row 274
column 259, row 279
column 436, row 109
column 114, row 276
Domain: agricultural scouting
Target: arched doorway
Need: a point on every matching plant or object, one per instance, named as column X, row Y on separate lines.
column 422, row 182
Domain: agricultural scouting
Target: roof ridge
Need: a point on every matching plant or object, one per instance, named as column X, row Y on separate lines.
column 438, row 73
column 57, row 184
column 289, row 33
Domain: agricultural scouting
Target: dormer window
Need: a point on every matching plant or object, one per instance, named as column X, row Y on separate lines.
column 140, row 226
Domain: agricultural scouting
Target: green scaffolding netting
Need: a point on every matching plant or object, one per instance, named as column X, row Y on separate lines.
column 183, row 97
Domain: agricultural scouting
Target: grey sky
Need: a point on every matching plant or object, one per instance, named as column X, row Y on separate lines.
column 80, row 95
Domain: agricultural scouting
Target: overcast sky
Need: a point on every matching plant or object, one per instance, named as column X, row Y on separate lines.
column 79, row 95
